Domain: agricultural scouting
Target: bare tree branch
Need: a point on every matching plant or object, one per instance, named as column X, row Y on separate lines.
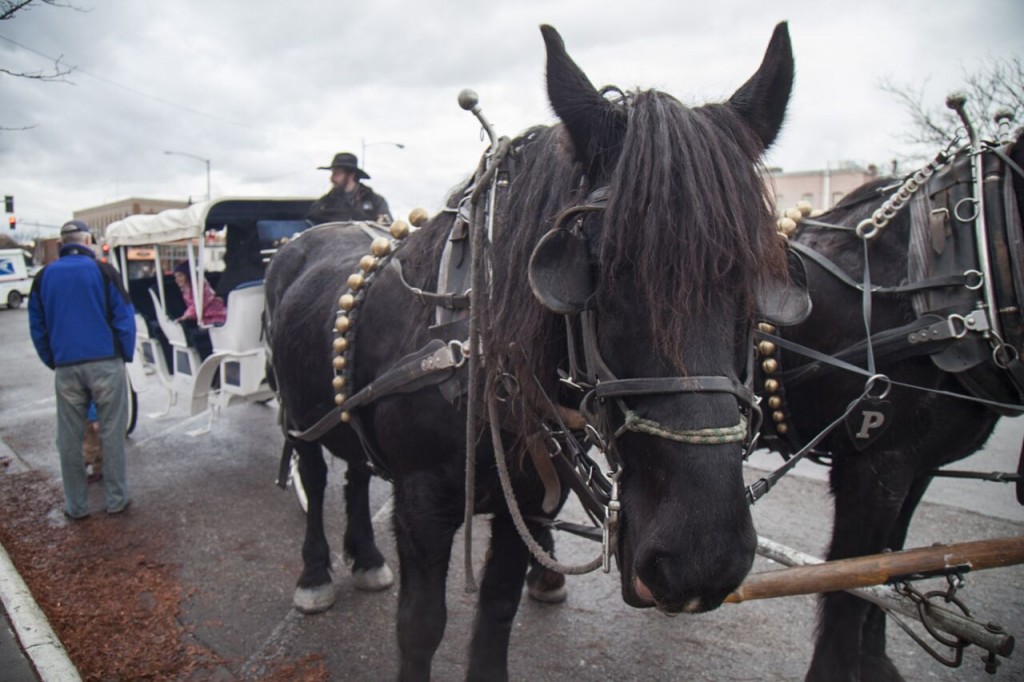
column 8, row 10
column 998, row 85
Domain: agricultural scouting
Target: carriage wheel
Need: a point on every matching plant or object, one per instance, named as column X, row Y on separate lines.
column 133, row 410
column 296, row 480
column 14, row 299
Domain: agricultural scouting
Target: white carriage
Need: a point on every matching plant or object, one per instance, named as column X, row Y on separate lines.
column 224, row 242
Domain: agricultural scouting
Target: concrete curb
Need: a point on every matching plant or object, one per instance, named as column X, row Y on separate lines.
column 31, row 627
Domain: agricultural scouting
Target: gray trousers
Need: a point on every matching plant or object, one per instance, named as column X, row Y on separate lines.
column 104, row 382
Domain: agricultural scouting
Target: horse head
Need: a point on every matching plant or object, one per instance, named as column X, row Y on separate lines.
column 663, row 263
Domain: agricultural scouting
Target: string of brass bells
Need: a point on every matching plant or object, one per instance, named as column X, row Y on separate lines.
column 381, row 249
column 791, row 217
column 766, row 350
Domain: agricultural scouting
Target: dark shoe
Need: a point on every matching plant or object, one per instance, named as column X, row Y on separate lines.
column 94, row 478
column 76, row 518
column 120, row 509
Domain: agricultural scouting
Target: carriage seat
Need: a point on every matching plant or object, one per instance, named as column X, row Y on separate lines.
column 171, row 329
column 241, row 331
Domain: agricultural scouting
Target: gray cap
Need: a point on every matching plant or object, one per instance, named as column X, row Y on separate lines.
column 74, row 226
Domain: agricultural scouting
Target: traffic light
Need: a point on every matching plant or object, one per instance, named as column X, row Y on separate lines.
column 8, row 203
column 13, row 222
column 106, row 252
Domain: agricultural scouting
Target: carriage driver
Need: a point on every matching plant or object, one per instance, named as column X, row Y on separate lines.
column 349, row 199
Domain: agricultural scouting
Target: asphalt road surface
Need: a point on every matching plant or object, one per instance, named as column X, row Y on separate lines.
column 236, row 538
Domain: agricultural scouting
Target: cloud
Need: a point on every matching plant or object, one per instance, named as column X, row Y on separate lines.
column 268, row 91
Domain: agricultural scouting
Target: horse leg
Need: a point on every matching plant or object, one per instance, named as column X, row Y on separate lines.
column 500, row 592
column 868, row 501
column 543, row 584
column 426, row 518
column 314, row 591
column 875, row 664
column 369, row 570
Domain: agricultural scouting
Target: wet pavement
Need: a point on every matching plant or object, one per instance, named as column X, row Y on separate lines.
column 14, row 662
column 236, row 539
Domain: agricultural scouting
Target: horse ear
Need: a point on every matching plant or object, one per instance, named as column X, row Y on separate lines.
column 587, row 115
column 762, row 100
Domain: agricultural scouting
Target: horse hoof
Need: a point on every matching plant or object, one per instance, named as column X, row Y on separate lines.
column 555, row 595
column 547, row 586
column 314, row 599
column 373, row 579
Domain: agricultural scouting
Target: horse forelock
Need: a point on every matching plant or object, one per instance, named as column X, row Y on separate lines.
column 688, row 219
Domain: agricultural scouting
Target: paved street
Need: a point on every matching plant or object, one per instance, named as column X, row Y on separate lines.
column 236, row 538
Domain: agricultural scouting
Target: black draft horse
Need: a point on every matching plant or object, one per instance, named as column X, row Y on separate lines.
column 678, row 255
column 877, row 484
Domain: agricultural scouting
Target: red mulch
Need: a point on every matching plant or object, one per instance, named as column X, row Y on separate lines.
column 109, row 596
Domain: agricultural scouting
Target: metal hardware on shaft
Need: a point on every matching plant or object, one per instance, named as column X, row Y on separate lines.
column 470, row 101
column 1003, row 119
column 957, row 102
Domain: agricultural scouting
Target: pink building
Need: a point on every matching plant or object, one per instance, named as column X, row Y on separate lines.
column 822, row 189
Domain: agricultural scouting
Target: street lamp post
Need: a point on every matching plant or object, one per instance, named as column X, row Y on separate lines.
column 198, row 158
column 370, row 144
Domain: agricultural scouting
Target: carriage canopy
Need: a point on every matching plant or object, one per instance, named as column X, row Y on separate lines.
column 178, row 224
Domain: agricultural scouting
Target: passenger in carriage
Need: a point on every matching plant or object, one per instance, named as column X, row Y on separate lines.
column 214, row 311
column 349, row 199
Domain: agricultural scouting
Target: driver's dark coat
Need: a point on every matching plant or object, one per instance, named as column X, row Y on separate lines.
column 361, row 204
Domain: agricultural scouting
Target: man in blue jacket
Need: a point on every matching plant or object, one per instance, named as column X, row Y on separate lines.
column 83, row 327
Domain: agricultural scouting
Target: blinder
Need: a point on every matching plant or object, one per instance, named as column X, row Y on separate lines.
column 786, row 302
column 561, row 267
column 561, row 272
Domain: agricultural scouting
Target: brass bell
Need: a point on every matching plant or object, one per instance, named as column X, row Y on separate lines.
column 367, row 263
column 340, row 398
column 356, row 281
column 804, row 207
column 766, row 348
column 399, row 229
column 418, row 216
column 771, row 385
column 778, row 417
column 770, row 366
column 338, row 383
column 793, row 214
column 347, row 302
column 775, row 402
column 787, row 226
column 345, row 417
column 340, row 344
column 342, row 323
column 766, row 328
column 381, row 246
column 338, row 363
column 782, row 427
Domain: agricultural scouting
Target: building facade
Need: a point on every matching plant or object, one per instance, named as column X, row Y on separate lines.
column 822, row 189
column 99, row 217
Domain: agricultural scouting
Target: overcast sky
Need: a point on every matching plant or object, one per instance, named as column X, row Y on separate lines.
column 269, row 90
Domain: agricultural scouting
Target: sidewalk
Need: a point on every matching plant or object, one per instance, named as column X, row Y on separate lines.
column 29, row 649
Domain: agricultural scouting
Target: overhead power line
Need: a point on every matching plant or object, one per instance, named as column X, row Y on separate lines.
column 134, row 91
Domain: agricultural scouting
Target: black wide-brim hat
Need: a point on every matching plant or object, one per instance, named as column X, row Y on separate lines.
column 348, row 162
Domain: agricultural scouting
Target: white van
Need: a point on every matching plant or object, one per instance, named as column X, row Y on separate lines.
column 15, row 283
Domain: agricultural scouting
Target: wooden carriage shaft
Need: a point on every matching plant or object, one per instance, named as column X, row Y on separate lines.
column 863, row 577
